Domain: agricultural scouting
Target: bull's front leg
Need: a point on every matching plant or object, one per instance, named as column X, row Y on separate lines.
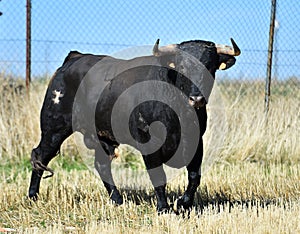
column 158, row 179
column 186, row 201
column 194, row 175
column 103, row 166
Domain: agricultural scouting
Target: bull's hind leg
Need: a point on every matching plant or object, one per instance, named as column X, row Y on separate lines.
column 56, row 126
column 103, row 166
column 42, row 155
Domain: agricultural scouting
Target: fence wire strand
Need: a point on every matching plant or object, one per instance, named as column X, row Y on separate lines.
column 106, row 27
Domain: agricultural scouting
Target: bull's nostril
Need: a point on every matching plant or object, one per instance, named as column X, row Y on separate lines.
column 201, row 100
column 197, row 101
column 192, row 98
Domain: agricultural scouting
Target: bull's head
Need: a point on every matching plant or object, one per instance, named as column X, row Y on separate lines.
column 212, row 56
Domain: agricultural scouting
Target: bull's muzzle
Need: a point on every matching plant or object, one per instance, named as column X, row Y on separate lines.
column 197, row 101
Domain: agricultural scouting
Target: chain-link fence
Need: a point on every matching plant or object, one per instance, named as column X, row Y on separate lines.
column 106, row 27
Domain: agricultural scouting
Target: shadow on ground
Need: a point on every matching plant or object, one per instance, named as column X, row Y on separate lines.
column 217, row 200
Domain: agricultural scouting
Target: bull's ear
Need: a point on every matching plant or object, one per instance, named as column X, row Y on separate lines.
column 225, row 62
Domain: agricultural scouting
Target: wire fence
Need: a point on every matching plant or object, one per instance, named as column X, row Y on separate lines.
column 106, row 27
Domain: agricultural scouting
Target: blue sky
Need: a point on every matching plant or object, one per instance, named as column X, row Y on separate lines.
column 108, row 26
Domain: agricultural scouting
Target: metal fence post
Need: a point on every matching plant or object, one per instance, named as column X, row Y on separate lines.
column 28, row 44
column 270, row 55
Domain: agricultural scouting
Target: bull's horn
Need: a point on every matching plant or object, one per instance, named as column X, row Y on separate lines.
column 163, row 50
column 225, row 49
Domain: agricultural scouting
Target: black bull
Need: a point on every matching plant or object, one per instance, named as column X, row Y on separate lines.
column 83, row 96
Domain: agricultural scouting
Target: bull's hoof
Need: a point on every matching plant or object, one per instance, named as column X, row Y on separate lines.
column 117, row 201
column 163, row 210
column 33, row 196
column 182, row 205
column 116, row 198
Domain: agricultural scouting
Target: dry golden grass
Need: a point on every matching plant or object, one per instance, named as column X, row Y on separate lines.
column 250, row 183
column 236, row 198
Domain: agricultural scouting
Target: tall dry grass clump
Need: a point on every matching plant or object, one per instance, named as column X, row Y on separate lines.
column 19, row 122
column 20, row 119
column 251, row 135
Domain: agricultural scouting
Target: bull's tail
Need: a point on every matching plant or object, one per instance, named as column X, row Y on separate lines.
column 38, row 165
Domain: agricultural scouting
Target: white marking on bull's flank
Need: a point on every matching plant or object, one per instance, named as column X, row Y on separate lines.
column 58, row 95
